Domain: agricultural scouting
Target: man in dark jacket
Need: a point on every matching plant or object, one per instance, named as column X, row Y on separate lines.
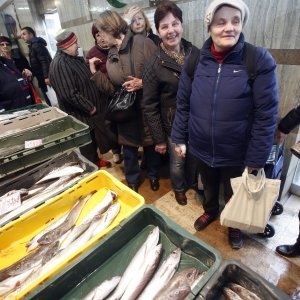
column 77, row 95
column 14, row 89
column 229, row 120
column 286, row 125
column 39, row 58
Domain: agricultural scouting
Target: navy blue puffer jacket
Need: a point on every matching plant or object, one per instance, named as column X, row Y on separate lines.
column 228, row 122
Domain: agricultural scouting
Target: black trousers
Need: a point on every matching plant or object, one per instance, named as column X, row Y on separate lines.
column 89, row 151
column 212, row 178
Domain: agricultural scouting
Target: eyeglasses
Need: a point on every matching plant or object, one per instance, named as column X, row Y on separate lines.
column 4, row 44
column 137, row 19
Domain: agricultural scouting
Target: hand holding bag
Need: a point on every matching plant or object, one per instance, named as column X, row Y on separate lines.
column 121, row 106
column 250, row 206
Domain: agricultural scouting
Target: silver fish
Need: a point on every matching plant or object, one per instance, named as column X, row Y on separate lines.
column 98, row 210
column 230, row 295
column 144, row 274
column 28, row 262
column 136, row 263
column 10, row 284
column 104, row 289
column 243, row 292
column 61, row 172
column 162, row 276
column 33, row 243
column 179, row 293
column 182, row 278
column 73, row 215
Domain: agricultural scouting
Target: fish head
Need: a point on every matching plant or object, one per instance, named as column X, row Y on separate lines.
column 153, row 237
column 179, row 293
column 190, row 275
column 175, row 254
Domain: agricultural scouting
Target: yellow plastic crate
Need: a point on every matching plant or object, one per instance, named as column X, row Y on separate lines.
column 15, row 235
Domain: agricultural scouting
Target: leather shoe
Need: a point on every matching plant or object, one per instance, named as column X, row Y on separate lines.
column 154, row 183
column 289, row 250
column 134, row 187
column 180, row 198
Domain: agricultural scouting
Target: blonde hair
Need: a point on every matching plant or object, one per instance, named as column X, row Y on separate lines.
column 111, row 22
column 147, row 23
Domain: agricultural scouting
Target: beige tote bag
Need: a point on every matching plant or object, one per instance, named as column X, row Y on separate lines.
column 250, row 206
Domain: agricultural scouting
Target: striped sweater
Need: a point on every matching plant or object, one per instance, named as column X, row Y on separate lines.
column 76, row 93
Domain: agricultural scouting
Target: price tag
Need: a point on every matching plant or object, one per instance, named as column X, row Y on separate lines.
column 10, row 201
column 33, row 143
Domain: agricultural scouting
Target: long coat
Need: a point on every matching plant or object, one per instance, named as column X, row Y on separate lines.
column 134, row 132
column 230, row 122
column 160, row 79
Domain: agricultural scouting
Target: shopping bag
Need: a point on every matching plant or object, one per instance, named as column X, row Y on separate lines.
column 52, row 96
column 36, row 97
column 250, row 206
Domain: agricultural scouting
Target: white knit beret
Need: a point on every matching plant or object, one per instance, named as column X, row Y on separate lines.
column 215, row 4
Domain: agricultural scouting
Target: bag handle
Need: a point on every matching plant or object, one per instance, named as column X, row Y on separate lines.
column 259, row 184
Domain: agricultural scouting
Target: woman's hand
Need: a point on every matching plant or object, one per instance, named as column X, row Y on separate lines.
column 180, row 149
column 131, row 13
column 92, row 63
column 133, row 84
column 27, row 74
column 161, row 148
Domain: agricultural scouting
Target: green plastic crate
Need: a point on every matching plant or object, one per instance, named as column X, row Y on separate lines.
column 112, row 255
column 234, row 271
column 59, row 136
column 23, row 110
column 30, row 120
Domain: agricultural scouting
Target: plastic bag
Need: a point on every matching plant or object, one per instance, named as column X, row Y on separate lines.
column 52, row 96
column 250, row 206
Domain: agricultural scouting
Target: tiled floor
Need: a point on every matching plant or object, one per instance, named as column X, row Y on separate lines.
column 257, row 253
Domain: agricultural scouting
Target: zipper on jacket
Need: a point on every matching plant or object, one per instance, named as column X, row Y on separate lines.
column 213, row 115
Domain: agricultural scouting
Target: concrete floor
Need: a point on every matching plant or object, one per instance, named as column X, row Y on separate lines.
column 257, row 253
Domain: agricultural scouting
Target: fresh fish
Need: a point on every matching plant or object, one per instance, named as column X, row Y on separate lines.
column 136, row 263
column 28, row 262
column 104, row 289
column 162, row 276
column 182, row 278
column 52, row 250
column 10, row 284
column 144, row 274
column 73, row 215
column 179, row 293
column 61, row 172
column 230, row 295
column 98, row 210
column 243, row 292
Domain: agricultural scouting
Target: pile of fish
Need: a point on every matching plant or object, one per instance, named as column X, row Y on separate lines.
column 143, row 280
column 56, row 243
column 56, row 180
column 235, row 291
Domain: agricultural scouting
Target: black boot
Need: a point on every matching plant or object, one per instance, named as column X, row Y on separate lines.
column 289, row 250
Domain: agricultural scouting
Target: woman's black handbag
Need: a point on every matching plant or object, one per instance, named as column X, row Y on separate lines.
column 121, row 106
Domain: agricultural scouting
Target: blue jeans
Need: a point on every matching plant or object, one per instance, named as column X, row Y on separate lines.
column 177, row 169
column 131, row 164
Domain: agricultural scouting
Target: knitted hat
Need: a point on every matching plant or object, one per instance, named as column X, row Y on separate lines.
column 4, row 39
column 65, row 39
column 95, row 30
column 215, row 4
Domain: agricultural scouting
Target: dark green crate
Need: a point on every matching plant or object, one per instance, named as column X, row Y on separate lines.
column 31, row 108
column 234, row 271
column 112, row 255
column 59, row 136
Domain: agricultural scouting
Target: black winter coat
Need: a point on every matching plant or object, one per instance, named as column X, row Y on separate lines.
column 290, row 121
column 40, row 59
column 160, row 84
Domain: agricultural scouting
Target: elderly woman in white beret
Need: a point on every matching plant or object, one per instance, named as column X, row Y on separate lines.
column 229, row 117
